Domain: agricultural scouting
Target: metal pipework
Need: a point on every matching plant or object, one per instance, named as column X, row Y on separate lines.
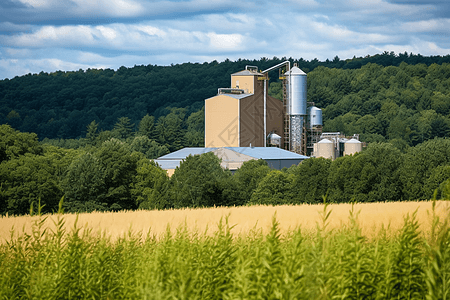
column 288, row 63
column 265, row 113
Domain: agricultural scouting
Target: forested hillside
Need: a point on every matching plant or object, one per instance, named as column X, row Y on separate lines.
column 408, row 103
column 117, row 174
column 386, row 96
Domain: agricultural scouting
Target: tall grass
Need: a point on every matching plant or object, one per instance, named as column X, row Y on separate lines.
column 327, row 263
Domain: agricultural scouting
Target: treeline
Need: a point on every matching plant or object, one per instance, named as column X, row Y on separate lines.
column 114, row 174
column 152, row 137
column 407, row 104
column 385, row 96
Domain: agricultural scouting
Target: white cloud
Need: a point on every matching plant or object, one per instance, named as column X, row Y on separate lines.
column 9, row 68
column 419, row 46
column 11, row 27
column 51, row 36
column 416, row 46
column 37, row 3
column 439, row 25
column 343, row 34
column 18, row 53
column 151, row 30
column 224, row 42
column 118, row 8
column 380, row 7
column 165, row 31
column 130, row 37
column 305, row 3
column 99, row 9
column 222, row 22
column 115, row 8
column 107, row 32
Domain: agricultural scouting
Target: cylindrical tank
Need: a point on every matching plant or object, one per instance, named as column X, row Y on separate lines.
column 352, row 146
column 324, row 148
column 296, row 91
column 274, row 139
column 315, row 116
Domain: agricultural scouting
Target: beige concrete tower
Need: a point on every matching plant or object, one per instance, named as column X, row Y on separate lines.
column 235, row 117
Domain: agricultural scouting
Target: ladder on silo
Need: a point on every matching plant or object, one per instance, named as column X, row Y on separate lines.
column 286, row 117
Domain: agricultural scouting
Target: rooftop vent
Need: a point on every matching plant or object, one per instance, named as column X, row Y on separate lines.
column 230, row 91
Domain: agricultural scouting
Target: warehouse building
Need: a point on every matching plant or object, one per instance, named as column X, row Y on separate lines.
column 233, row 157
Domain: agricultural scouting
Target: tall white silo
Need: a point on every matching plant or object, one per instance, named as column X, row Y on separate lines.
column 296, row 107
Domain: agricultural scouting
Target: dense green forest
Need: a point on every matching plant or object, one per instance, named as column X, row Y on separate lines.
column 117, row 174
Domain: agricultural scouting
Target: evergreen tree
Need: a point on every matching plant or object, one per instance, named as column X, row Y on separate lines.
column 91, row 132
column 123, row 128
column 148, row 147
column 147, row 127
column 171, row 130
column 195, row 134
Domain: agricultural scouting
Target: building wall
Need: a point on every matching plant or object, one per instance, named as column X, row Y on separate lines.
column 222, row 122
column 275, row 117
column 246, row 82
column 252, row 117
column 251, row 122
column 279, row 164
column 170, row 172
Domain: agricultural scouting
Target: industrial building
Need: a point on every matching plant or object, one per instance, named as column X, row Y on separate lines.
column 241, row 116
column 242, row 122
column 233, row 157
column 334, row 144
column 245, row 115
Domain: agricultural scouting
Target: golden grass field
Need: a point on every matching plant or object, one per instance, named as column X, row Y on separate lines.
column 371, row 218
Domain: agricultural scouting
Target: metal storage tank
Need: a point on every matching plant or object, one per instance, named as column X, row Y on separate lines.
column 352, row 146
column 324, row 148
column 274, row 139
column 297, row 91
column 315, row 116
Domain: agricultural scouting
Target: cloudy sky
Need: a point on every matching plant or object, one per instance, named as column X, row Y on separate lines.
column 50, row 35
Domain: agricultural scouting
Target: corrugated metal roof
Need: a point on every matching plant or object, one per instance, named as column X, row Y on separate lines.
column 267, row 152
column 167, row 164
column 246, row 73
column 295, row 71
column 235, row 96
column 241, row 154
column 185, row 152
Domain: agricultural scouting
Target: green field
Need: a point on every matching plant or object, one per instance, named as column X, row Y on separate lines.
column 325, row 263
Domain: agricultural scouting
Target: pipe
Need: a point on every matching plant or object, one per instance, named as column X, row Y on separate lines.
column 277, row 66
column 290, row 107
column 288, row 63
column 265, row 113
